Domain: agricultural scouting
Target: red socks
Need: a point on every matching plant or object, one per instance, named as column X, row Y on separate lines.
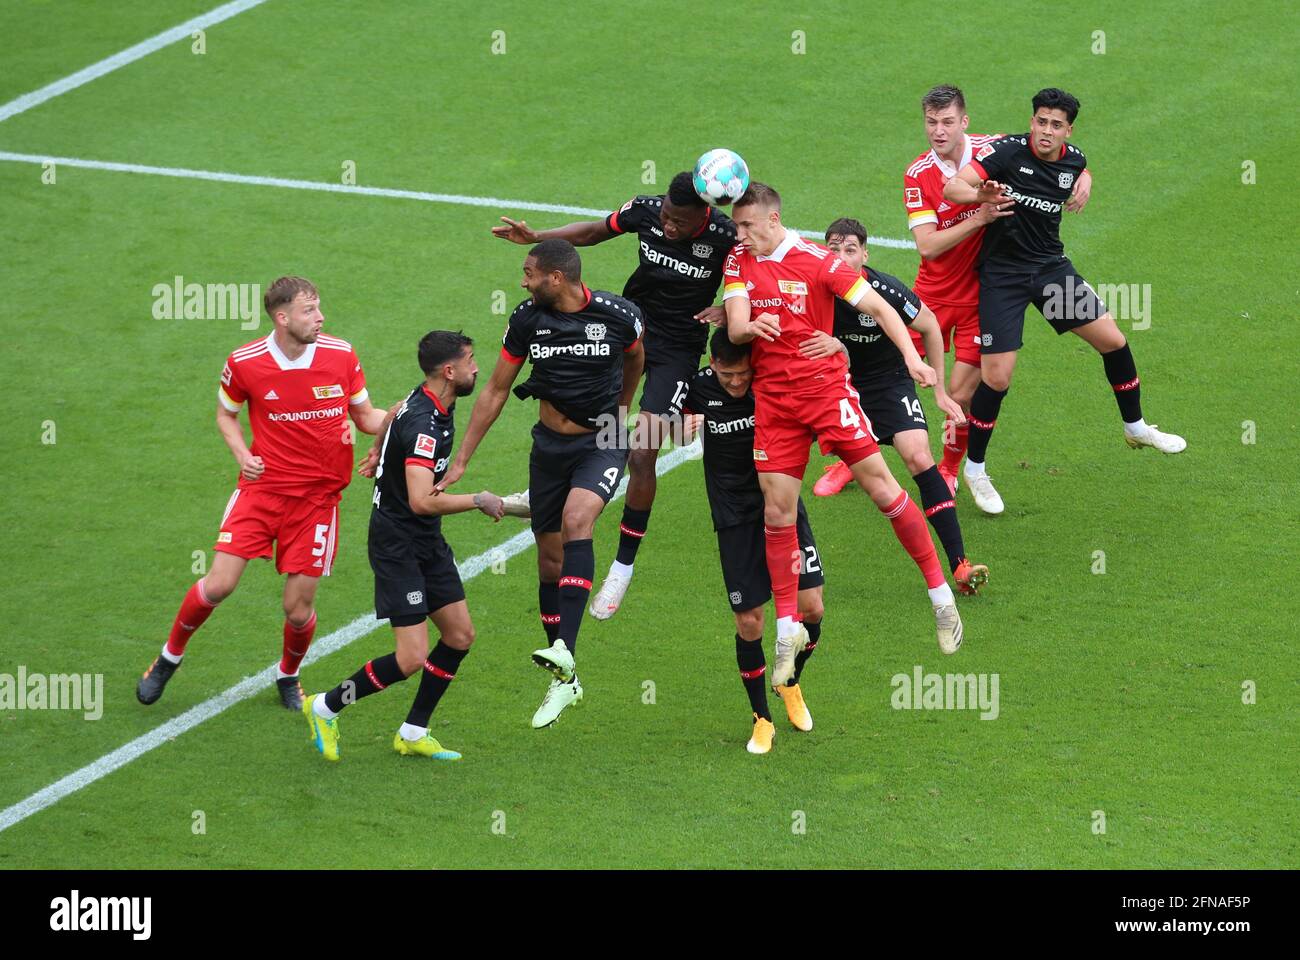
column 953, row 452
column 296, row 642
column 195, row 609
column 783, row 561
column 913, row 534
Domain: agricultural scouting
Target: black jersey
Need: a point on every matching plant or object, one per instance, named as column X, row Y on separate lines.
column 873, row 359
column 1040, row 188
column 676, row 279
column 577, row 357
column 729, row 475
column 422, row 433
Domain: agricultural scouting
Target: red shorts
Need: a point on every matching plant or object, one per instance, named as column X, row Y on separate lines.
column 305, row 532
column 785, row 424
column 965, row 320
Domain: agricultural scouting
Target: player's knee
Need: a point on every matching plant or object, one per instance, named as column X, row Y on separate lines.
column 549, row 566
column 997, row 379
column 216, row 589
column 298, row 615
column 811, row 610
column 778, row 515
column 461, row 638
column 641, row 462
column 1111, row 338
column 749, row 624
column 411, row 657
column 577, row 526
column 918, row 459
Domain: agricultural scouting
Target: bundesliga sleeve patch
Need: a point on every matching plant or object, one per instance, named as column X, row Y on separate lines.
column 912, row 196
column 425, row 445
column 985, row 151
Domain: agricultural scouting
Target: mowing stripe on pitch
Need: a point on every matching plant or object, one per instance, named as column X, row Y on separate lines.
column 129, row 55
column 496, row 203
column 251, row 686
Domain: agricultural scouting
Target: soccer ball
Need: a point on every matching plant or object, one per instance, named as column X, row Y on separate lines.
column 720, row 177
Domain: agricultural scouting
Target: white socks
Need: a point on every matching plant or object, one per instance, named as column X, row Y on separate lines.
column 622, row 569
column 1135, row 428
column 941, row 594
column 169, row 656
column 786, row 627
column 281, row 675
column 411, row 732
column 318, row 707
column 973, row 469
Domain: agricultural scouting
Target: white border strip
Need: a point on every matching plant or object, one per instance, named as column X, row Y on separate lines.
column 252, row 686
column 497, row 203
column 129, row 55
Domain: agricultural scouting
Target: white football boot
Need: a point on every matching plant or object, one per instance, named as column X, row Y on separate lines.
column 558, row 696
column 1149, row 436
column 986, row 497
column 606, row 601
column 786, row 651
column 947, row 621
column 556, row 660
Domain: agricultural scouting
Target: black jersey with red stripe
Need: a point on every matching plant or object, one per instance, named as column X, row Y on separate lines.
column 874, row 361
column 676, row 279
column 422, row 434
column 1040, row 188
column 577, row 357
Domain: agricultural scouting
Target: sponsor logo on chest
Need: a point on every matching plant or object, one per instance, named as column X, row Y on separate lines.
column 327, row 392
column 795, row 293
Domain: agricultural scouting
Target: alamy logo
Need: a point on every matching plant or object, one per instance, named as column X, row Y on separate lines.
column 208, row 301
column 946, row 691
column 76, row 913
column 55, row 691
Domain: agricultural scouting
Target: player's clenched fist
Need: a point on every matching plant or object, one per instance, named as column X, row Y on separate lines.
column 251, row 467
column 490, row 504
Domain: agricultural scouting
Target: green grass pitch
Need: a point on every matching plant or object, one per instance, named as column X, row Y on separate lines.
column 1120, row 692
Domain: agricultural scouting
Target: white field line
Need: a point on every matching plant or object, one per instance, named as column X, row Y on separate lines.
column 251, row 686
column 496, row 203
column 129, row 55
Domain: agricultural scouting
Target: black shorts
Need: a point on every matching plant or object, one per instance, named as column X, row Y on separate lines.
column 892, row 408
column 743, row 552
column 1058, row 292
column 414, row 576
column 668, row 373
column 560, row 463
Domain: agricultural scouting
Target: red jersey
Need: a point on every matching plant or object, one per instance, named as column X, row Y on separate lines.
column 951, row 277
column 799, row 283
column 298, row 410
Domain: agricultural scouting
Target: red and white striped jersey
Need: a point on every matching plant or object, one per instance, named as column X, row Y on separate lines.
column 949, row 278
column 298, row 410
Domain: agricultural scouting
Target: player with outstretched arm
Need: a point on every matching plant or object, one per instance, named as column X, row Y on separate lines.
column 586, row 354
column 416, row 579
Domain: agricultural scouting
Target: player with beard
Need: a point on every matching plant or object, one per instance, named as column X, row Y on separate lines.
column 683, row 243
column 416, row 579
column 300, row 386
column 1022, row 261
column 585, row 348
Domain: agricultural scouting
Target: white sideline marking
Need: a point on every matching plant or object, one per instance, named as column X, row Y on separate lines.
column 251, row 686
column 494, row 202
column 129, row 55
